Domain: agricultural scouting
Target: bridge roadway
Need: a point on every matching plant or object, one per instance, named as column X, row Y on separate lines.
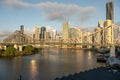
column 59, row 43
column 50, row 43
column 43, row 44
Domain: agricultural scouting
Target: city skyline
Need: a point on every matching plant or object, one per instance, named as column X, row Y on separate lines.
column 52, row 13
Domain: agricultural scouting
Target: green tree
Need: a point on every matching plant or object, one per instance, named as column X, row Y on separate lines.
column 10, row 50
column 28, row 49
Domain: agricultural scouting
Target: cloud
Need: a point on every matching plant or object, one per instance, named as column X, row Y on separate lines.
column 57, row 11
column 60, row 11
column 15, row 3
column 4, row 34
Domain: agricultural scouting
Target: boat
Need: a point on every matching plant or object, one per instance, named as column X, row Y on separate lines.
column 103, row 51
column 101, row 58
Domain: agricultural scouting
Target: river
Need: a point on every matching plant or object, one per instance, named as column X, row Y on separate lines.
column 47, row 64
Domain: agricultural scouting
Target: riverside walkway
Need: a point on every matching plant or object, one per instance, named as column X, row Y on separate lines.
column 100, row 73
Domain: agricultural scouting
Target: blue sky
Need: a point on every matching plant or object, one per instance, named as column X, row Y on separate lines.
column 31, row 13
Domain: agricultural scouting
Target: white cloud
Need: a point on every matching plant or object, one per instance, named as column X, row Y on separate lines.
column 15, row 3
column 4, row 34
column 61, row 11
column 57, row 11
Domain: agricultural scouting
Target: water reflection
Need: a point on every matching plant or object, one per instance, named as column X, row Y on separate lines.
column 89, row 55
column 33, row 69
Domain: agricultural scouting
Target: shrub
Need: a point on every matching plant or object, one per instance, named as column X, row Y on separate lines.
column 28, row 50
column 10, row 50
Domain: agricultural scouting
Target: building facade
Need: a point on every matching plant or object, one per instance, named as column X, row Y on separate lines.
column 109, row 32
column 87, row 39
column 75, row 36
column 42, row 33
column 37, row 34
column 22, row 28
column 110, row 11
column 65, row 31
column 97, row 37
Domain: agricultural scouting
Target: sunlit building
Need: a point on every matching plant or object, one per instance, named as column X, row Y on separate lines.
column 101, row 32
column 118, row 34
column 53, row 33
column 87, row 39
column 37, row 34
column 109, row 32
column 65, row 31
column 75, row 36
column 97, row 37
column 46, row 35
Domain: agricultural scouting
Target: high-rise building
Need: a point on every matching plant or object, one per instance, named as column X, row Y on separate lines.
column 37, row 34
column 53, row 33
column 46, row 36
column 66, row 30
column 75, row 34
column 87, row 39
column 42, row 33
column 110, row 11
column 97, row 37
column 22, row 28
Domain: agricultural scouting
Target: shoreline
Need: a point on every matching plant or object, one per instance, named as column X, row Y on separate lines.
column 17, row 53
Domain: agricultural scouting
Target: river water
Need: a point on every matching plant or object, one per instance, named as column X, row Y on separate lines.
column 47, row 64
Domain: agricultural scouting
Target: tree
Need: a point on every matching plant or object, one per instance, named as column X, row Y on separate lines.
column 28, row 49
column 10, row 50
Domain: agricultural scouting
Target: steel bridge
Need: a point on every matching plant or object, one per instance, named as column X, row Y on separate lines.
column 115, row 39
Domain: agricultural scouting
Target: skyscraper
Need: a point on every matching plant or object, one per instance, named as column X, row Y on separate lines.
column 109, row 11
column 22, row 28
column 101, row 31
column 75, row 34
column 37, row 34
column 65, row 30
column 42, row 34
column 53, row 33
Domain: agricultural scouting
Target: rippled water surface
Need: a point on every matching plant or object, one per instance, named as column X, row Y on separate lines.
column 47, row 64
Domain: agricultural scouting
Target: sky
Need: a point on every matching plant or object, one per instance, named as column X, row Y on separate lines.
column 31, row 13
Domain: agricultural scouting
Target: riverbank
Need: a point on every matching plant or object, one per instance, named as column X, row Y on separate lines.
column 29, row 50
column 12, row 52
